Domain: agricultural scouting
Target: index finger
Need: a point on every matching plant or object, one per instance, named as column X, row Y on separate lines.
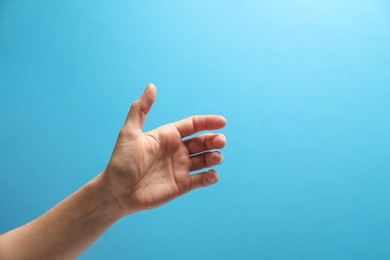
column 195, row 124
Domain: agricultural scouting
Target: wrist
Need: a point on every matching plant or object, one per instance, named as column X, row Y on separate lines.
column 110, row 205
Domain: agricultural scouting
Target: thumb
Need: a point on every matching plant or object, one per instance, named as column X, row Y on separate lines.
column 140, row 108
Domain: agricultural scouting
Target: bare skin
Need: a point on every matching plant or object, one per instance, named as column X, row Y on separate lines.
column 146, row 170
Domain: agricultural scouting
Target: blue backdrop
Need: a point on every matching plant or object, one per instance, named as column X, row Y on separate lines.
column 305, row 86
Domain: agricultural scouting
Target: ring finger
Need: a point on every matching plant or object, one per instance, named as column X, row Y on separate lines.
column 205, row 142
column 205, row 160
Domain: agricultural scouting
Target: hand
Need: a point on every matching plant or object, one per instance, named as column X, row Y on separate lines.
column 149, row 169
column 146, row 170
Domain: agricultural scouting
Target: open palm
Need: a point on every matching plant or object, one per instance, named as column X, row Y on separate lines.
column 149, row 169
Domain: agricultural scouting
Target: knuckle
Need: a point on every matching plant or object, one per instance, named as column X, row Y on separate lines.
column 207, row 159
column 192, row 146
column 135, row 105
column 194, row 123
column 208, row 140
column 192, row 165
column 123, row 133
column 204, row 180
column 126, row 133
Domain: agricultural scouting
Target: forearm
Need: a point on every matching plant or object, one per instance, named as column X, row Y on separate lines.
column 66, row 230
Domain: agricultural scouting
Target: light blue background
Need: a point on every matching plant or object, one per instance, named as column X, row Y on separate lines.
column 305, row 86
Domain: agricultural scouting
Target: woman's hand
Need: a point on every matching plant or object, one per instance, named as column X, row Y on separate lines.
column 145, row 171
column 149, row 169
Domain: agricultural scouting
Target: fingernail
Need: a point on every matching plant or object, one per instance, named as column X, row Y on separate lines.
column 218, row 157
column 219, row 141
column 211, row 177
column 148, row 86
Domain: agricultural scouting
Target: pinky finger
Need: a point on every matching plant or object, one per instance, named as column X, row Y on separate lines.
column 203, row 179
